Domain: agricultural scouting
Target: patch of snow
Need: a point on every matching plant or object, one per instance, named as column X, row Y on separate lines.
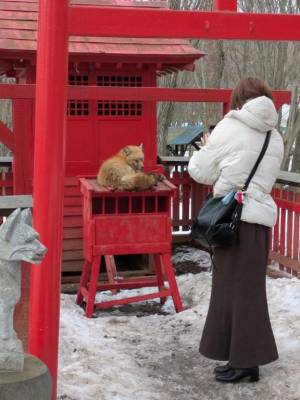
column 132, row 354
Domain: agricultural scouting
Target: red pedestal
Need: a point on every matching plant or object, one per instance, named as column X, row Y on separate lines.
column 118, row 222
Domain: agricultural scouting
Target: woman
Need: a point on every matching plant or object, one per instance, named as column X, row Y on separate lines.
column 237, row 327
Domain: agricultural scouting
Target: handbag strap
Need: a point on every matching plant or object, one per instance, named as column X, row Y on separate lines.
column 260, row 157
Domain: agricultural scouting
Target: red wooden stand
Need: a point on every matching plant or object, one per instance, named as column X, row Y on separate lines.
column 118, row 222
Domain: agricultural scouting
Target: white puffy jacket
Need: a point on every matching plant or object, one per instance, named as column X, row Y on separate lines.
column 231, row 152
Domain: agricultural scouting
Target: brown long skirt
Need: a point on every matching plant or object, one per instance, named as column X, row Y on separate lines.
column 237, row 326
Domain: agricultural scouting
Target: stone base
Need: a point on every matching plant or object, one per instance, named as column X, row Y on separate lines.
column 11, row 362
column 33, row 383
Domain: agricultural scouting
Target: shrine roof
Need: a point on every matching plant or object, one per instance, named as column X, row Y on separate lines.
column 18, row 34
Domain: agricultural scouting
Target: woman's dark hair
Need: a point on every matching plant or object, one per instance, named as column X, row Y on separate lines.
column 249, row 88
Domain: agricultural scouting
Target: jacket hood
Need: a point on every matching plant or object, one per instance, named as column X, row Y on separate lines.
column 259, row 113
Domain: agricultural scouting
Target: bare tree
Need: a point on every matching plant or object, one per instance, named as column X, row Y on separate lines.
column 228, row 61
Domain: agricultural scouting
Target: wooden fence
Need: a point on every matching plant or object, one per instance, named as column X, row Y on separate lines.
column 284, row 244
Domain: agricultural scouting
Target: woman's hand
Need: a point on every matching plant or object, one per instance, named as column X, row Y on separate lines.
column 204, row 139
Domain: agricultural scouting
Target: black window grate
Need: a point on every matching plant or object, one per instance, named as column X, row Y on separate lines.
column 78, row 107
column 118, row 108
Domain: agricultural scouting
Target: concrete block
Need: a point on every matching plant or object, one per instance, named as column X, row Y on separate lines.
column 33, row 383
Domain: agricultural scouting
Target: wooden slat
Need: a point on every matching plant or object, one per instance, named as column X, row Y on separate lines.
column 73, row 201
column 295, row 254
column 289, row 230
column 6, row 183
column 17, row 15
column 72, row 191
column 276, row 227
column 186, row 194
column 72, row 244
column 176, row 204
column 122, row 3
column 20, row 25
column 72, row 255
column 72, row 266
column 284, row 260
column 73, row 233
column 19, row 6
column 73, row 221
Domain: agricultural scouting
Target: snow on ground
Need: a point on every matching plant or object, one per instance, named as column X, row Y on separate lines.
column 144, row 352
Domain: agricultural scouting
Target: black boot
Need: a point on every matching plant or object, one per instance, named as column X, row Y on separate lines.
column 221, row 369
column 236, row 374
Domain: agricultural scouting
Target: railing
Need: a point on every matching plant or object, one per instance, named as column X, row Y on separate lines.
column 285, row 235
column 284, row 246
column 123, row 3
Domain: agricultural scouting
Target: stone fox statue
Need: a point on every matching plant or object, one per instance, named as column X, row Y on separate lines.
column 123, row 171
column 18, row 242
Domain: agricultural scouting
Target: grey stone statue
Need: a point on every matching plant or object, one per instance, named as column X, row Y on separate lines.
column 18, row 242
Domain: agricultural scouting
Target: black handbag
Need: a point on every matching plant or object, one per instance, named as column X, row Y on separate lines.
column 218, row 219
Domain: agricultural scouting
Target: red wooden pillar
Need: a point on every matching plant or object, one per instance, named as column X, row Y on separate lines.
column 226, row 108
column 225, row 5
column 49, row 154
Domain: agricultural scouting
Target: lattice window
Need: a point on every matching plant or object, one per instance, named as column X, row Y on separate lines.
column 117, row 107
column 78, row 107
column 130, row 205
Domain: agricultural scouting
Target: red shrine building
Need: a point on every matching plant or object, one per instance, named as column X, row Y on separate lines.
column 95, row 129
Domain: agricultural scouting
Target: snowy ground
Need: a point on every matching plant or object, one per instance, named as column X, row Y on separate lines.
column 144, row 352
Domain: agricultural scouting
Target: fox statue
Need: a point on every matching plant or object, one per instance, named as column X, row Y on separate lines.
column 18, row 242
column 124, row 171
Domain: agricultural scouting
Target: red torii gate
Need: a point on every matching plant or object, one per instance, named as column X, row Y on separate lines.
column 56, row 22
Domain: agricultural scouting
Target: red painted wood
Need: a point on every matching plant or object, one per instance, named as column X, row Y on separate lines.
column 226, row 108
column 7, row 137
column 282, row 241
column 118, row 222
column 289, row 230
column 225, row 5
column 93, row 21
column 288, row 205
column 176, row 203
column 168, row 268
column 128, row 284
column 8, row 184
column 163, row 94
column 83, row 281
column 20, row 91
column 93, row 286
column 275, row 245
column 125, row 3
column 160, row 275
column 23, row 121
column 18, row 5
column 111, row 270
column 18, row 24
column 149, row 296
column 296, row 241
column 52, row 66
column 8, row 91
column 186, row 194
column 283, row 260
